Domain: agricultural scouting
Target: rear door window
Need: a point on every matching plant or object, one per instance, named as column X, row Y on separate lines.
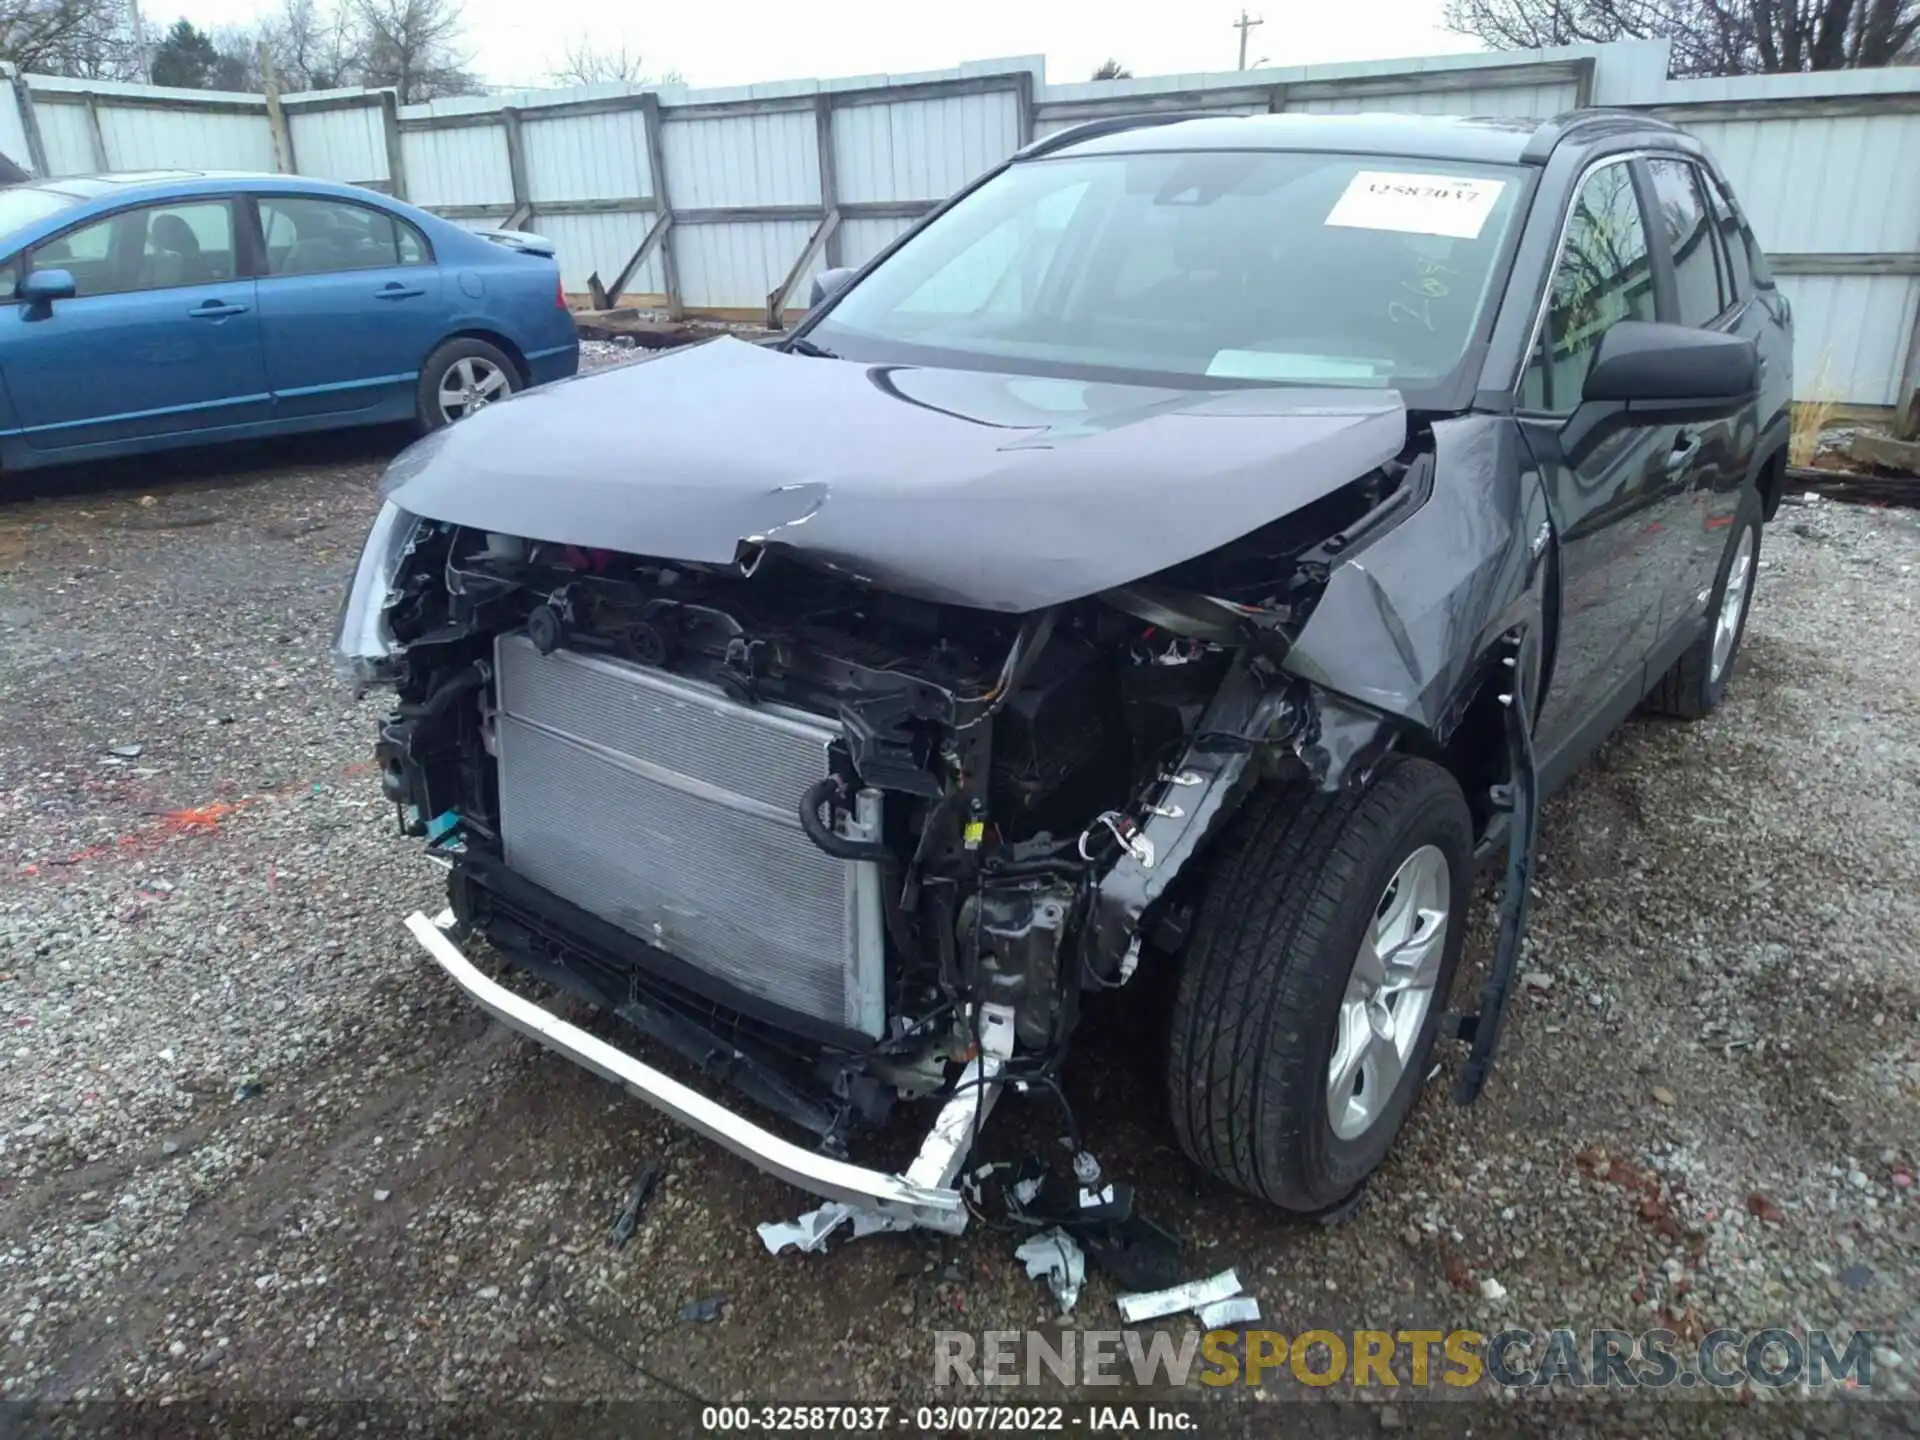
column 1681, row 213
column 311, row 235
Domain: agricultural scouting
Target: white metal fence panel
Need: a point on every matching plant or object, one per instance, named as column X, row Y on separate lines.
column 765, row 159
column 590, row 244
column 1848, row 183
column 65, row 133
column 1506, row 99
column 733, row 266
column 349, row 145
column 1850, row 335
column 921, row 149
column 142, row 138
column 1047, row 125
column 863, row 238
column 599, row 156
column 466, row 165
column 13, row 130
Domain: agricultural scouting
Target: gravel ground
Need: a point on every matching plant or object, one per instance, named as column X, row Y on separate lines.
column 251, row 1144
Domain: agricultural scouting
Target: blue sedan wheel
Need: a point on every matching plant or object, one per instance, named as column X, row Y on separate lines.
column 461, row 377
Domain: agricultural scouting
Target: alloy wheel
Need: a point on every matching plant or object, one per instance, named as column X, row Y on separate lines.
column 1389, row 992
column 1733, row 605
column 471, row 383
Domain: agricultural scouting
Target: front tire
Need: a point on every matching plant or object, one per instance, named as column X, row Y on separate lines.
column 1316, row 980
column 463, row 375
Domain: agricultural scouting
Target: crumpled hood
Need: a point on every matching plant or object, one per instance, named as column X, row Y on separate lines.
column 1003, row 492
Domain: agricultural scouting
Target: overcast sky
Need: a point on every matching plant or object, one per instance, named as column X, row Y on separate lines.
column 735, row 42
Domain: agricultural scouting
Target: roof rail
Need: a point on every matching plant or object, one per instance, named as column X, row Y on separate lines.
column 1110, row 125
column 1569, row 122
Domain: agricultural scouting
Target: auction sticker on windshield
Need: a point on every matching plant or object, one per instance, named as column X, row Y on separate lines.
column 1417, row 204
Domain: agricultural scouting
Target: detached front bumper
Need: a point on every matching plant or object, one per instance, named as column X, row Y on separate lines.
column 924, row 1194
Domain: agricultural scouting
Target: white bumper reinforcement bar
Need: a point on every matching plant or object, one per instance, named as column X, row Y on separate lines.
column 924, row 1195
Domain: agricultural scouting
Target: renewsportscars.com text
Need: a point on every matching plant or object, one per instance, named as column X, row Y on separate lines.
column 1454, row 1359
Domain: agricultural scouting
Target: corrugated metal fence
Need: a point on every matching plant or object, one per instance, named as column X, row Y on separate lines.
column 729, row 199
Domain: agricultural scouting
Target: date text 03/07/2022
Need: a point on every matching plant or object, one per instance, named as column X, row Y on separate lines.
column 943, row 1419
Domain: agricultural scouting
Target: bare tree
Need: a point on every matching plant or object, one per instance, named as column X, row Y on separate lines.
column 1111, row 69
column 585, row 64
column 414, row 47
column 90, row 39
column 314, row 47
column 1710, row 37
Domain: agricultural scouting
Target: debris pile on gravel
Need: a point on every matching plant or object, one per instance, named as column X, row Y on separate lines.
column 250, row 1139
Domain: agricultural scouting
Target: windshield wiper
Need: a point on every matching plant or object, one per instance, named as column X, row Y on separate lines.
column 800, row 345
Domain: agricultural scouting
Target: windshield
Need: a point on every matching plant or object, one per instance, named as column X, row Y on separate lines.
column 23, row 204
column 1264, row 266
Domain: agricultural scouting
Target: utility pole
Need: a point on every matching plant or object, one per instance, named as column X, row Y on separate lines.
column 141, row 53
column 1243, row 25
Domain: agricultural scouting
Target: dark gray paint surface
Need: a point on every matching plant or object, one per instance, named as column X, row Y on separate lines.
column 1403, row 621
column 1002, row 492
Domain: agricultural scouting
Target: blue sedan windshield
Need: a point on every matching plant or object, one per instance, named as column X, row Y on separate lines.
column 1246, row 266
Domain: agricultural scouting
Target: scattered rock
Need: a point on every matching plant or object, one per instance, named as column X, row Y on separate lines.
column 1662, row 1095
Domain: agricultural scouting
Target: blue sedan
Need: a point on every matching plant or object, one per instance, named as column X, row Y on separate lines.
column 166, row 309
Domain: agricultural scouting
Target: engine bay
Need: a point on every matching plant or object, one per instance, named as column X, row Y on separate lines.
column 1036, row 779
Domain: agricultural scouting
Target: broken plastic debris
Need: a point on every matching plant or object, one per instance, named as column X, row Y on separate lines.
column 629, row 1216
column 125, row 752
column 1055, row 1256
column 1190, row 1296
column 1240, row 1310
column 811, row 1230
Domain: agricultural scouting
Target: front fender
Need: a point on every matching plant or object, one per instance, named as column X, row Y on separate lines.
column 1405, row 626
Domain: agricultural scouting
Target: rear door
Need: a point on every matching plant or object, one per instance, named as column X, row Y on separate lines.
column 350, row 305
column 161, row 337
column 1605, row 484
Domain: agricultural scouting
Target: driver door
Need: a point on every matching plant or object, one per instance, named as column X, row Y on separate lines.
column 1607, row 487
column 160, row 337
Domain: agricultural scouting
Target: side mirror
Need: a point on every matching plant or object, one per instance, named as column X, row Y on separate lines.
column 43, row 287
column 829, row 283
column 1673, row 372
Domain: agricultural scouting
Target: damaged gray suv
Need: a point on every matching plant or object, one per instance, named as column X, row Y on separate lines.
column 1182, row 558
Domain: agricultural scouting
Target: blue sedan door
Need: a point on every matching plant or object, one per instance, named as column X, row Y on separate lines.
column 349, row 306
column 159, row 338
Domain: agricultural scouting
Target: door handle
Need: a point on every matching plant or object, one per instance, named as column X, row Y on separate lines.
column 397, row 291
column 1685, row 447
column 216, row 310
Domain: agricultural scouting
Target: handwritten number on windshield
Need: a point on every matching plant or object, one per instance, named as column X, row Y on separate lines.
column 1426, row 288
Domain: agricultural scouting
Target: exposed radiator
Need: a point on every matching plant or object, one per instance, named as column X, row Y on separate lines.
column 672, row 811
